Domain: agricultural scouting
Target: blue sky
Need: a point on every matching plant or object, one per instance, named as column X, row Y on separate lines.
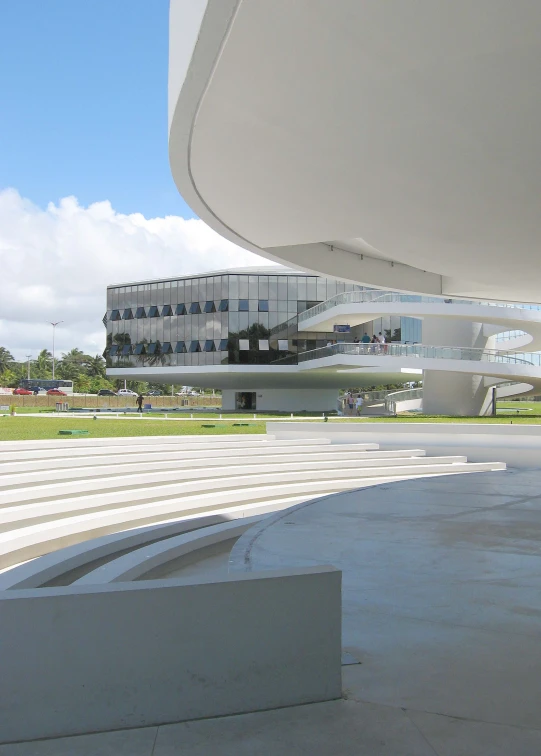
column 83, row 92
column 83, row 114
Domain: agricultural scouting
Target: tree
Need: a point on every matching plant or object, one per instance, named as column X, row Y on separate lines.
column 95, row 366
column 6, row 358
column 8, row 378
column 43, row 364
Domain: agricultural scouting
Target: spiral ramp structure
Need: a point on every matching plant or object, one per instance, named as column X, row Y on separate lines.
column 459, row 358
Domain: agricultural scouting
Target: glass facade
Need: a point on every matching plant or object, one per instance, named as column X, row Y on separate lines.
column 226, row 319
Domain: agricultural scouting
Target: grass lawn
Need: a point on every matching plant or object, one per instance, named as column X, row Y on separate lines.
column 24, row 428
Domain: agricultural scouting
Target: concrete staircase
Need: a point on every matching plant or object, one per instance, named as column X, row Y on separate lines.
column 86, row 503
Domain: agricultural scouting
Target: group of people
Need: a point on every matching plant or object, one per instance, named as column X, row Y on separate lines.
column 378, row 343
column 353, row 404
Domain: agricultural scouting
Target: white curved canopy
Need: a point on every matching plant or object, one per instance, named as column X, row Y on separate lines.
column 392, row 143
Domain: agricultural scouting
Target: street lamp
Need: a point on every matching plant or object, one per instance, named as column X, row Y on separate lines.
column 28, row 357
column 54, row 329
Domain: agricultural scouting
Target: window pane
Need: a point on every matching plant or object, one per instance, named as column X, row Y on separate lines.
column 114, row 350
column 195, row 346
column 264, row 345
column 152, row 348
column 210, row 346
column 244, row 345
column 210, row 306
column 128, row 314
column 115, row 315
column 126, row 350
column 223, row 345
column 180, row 347
column 181, row 309
column 195, row 308
column 263, row 305
column 153, row 312
column 243, row 305
column 282, row 345
column 139, row 349
column 167, row 311
column 224, row 305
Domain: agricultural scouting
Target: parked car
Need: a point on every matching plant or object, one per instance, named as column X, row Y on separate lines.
column 106, row 392
column 126, row 392
column 56, row 392
column 154, row 392
column 23, row 392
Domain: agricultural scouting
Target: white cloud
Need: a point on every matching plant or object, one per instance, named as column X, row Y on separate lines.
column 55, row 264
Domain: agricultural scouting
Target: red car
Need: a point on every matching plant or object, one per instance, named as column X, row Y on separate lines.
column 55, row 392
column 23, row 392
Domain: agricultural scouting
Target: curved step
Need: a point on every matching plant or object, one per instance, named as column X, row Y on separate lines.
column 138, row 563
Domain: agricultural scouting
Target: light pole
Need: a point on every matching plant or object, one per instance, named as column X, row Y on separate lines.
column 28, row 357
column 54, row 329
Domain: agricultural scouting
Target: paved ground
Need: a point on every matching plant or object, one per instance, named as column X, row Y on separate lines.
column 441, row 607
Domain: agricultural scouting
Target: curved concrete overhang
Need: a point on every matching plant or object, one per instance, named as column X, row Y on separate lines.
column 394, row 144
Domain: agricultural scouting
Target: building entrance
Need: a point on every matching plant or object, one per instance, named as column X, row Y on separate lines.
column 245, row 400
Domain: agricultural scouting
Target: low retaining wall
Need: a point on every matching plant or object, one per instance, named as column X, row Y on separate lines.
column 42, row 401
column 517, row 445
column 89, row 659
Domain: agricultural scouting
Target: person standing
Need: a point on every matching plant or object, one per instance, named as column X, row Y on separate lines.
column 381, row 339
column 359, row 404
column 350, row 402
column 140, row 403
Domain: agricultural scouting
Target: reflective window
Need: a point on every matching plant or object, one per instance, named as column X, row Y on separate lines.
column 195, row 346
column 180, row 347
column 114, row 350
column 224, row 305
column 244, row 345
column 152, row 348
column 263, row 305
column 115, row 315
column 166, row 347
column 139, row 349
column 167, row 310
column 195, row 309
column 210, row 307
column 181, row 309
column 223, row 345
column 210, row 346
column 243, row 305
column 153, row 312
column 282, row 345
column 126, row 350
column 127, row 314
column 264, row 345
column 141, row 313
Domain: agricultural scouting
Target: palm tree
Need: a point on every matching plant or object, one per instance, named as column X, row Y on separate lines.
column 43, row 364
column 95, row 366
column 6, row 358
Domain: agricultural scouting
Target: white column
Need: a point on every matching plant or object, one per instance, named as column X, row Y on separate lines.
column 447, row 393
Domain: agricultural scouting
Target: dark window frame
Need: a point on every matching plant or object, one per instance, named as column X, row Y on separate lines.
column 139, row 349
column 244, row 305
column 181, row 347
column 167, row 311
column 153, row 311
column 263, row 305
column 140, row 313
column 180, row 309
column 224, row 305
column 115, row 315
column 195, row 308
column 195, row 346
column 210, row 345
column 127, row 314
column 209, row 307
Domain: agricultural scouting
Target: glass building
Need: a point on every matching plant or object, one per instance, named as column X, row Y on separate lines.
column 226, row 318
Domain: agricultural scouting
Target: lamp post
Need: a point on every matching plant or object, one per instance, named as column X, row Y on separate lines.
column 54, row 329
column 28, row 357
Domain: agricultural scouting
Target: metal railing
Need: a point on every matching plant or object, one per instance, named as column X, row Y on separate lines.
column 380, row 297
column 412, row 350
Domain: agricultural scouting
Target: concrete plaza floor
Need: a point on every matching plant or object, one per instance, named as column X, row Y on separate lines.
column 441, row 610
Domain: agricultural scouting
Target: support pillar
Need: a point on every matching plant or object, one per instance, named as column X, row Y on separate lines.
column 448, row 393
